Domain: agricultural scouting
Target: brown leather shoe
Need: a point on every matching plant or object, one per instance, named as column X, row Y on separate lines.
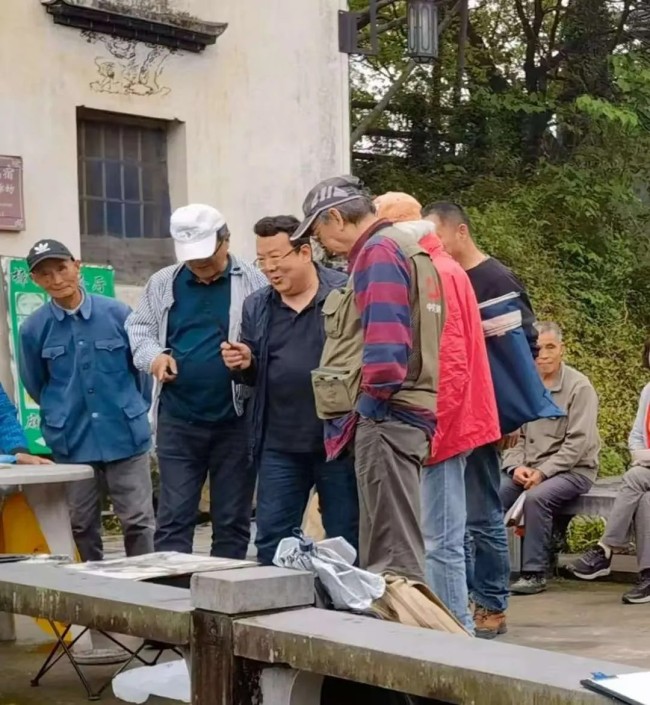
column 489, row 624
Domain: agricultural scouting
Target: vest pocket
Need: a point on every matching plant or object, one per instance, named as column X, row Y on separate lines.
column 335, row 391
column 333, row 310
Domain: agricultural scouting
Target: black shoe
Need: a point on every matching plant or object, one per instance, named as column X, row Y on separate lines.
column 529, row 584
column 592, row 564
column 640, row 593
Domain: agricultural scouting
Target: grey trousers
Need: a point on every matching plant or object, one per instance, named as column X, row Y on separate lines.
column 541, row 502
column 129, row 486
column 632, row 507
column 388, row 459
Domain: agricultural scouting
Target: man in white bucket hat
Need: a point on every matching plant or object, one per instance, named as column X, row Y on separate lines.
column 186, row 312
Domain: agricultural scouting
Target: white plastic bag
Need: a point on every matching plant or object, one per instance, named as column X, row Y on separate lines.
column 331, row 561
column 167, row 680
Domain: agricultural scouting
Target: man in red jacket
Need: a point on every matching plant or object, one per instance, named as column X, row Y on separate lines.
column 467, row 413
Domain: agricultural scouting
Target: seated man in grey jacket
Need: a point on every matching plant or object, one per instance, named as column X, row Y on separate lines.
column 555, row 460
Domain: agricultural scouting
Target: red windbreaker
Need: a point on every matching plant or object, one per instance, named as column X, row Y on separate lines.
column 467, row 411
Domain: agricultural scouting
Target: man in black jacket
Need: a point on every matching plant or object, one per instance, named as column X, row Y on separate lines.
column 281, row 343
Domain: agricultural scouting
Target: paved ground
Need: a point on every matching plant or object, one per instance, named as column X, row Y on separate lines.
column 578, row 618
column 584, row 619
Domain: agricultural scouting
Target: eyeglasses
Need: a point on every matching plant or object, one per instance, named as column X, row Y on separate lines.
column 272, row 260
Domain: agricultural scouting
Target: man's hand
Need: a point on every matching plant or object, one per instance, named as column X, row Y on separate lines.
column 510, row 440
column 521, row 475
column 236, row 356
column 164, row 368
column 534, row 478
column 27, row 459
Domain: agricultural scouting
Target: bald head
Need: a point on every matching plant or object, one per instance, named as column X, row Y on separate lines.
column 398, row 207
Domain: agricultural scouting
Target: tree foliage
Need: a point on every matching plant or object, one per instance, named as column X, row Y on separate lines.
column 537, row 118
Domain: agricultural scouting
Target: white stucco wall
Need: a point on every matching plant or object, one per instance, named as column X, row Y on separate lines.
column 262, row 115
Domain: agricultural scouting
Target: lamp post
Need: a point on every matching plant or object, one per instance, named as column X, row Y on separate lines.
column 422, row 30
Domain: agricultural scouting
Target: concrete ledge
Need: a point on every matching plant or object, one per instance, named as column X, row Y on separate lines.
column 418, row 661
column 246, row 590
column 121, row 606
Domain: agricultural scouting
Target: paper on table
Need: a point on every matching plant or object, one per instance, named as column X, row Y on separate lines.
column 157, row 565
column 632, row 688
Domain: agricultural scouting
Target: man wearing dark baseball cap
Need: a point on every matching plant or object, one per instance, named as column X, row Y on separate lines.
column 75, row 362
column 330, row 193
column 376, row 387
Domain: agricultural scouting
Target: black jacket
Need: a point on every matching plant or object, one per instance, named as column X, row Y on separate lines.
column 255, row 334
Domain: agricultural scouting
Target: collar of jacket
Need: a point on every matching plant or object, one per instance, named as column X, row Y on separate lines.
column 84, row 310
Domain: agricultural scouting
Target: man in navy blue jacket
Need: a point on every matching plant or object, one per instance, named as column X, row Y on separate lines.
column 75, row 362
column 281, row 342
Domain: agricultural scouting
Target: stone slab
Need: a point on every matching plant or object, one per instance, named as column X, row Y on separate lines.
column 138, row 609
column 418, row 661
column 43, row 474
column 597, row 502
column 247, row 590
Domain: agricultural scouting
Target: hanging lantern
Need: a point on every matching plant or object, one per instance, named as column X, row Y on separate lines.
column 422, row 28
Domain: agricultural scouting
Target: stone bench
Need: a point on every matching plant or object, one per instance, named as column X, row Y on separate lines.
column 421, row 662
column 598, row 502
column 255, row 638
column 137, row 609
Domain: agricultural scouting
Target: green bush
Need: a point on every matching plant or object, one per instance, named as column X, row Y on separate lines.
column 583, row 533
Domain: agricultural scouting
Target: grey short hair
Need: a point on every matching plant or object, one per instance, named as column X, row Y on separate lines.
column 353, row 211
column 549, row 327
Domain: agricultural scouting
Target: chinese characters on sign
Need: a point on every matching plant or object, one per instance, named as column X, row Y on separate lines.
column 12, row 212
column 23, row 298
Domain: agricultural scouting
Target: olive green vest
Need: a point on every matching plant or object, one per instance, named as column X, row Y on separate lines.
column 337, row 382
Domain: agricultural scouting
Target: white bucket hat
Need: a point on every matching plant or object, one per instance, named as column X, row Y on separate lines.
column 194, row 229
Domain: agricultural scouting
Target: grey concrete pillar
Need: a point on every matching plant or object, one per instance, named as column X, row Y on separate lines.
column 218, row 677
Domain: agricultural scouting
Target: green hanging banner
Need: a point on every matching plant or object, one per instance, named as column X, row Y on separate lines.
column 23, row 298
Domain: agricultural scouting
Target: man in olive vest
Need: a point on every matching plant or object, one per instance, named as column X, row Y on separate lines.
column 377, row 383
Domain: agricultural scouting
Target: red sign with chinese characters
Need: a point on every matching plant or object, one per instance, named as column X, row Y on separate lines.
column 12, row 211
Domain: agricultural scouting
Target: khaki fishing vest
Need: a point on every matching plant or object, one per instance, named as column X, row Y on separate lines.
column 337, row 382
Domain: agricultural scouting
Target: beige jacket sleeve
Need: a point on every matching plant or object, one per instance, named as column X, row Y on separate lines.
column 582, row 432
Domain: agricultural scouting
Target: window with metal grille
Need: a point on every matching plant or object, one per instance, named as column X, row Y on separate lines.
column 123, row 184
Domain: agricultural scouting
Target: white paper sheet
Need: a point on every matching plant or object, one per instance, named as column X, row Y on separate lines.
column 630, row 687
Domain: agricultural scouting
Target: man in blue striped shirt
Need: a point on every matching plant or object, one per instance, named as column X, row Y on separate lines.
column 186, row 312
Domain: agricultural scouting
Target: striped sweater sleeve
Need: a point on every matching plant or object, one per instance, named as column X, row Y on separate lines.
column 382, row 279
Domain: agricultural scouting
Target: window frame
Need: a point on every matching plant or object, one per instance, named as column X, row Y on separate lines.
column 153, row 198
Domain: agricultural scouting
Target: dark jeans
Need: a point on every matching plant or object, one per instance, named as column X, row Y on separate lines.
column 488, row 563
column 186, row 454
column 285, row 481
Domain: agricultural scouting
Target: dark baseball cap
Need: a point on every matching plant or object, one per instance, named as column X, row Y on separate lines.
column 47, row 249
column 325, row 195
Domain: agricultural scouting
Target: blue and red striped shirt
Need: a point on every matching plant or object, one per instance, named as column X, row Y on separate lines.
column 382, row 283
